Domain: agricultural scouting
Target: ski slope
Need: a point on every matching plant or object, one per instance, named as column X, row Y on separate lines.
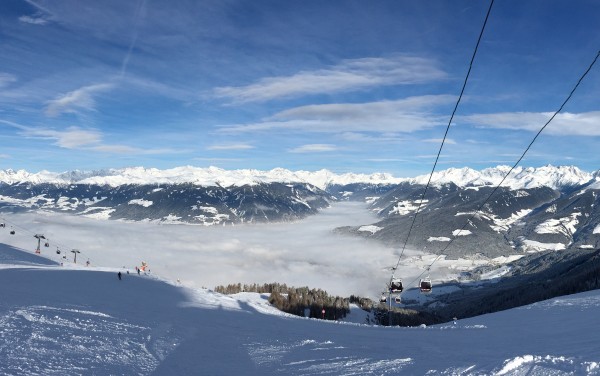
column 75, row 320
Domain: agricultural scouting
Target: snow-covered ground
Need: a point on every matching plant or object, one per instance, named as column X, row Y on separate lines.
column 85, row 321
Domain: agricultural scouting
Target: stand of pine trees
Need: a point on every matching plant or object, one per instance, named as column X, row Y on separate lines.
column 296, row 300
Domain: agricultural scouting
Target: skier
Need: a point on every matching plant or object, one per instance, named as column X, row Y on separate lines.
column 119, row 275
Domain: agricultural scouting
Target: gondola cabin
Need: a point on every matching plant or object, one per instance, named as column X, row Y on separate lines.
column 12, row 232
column 425, row 285
column 396, row 285
column 397, row 299
column 383, row 299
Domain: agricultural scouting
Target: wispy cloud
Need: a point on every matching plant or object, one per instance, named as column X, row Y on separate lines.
column 230, row 147
column 475, row 142
column 448, row 141
column 393, row 160
column 71, row 138
column 149, row 86
column 139, row 12
column 80, row 99
column 83, row 139
column 41, row 17
column 128, row 150
column 6, row 79
column 116, row 149
column 564, row 124
column 364, row 137
column 404, row 115
column 35, row 20
column 38, row 6
column 350, row 75
column 12, row 124
column 213, row 160
column 314, row 148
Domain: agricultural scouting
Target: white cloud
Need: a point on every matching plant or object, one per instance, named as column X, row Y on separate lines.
column 403, row 115
column 386, row 160
column 350, row 75
column 71, row 138
column 77, row 138
column 124, row 149
column 36, row 20
column 366, row 137
column 82, row 98
column 116, row 149
column 231, row 147
column 313, row 148
column 448, row 141
column 567, row 124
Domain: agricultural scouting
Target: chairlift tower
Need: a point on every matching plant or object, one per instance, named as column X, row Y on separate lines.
column 75, row 252
column 39, row 238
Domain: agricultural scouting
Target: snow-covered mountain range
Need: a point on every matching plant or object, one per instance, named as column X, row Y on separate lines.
column 549, row 208
column 211, row 176
column 535, row 208
column 548, row 176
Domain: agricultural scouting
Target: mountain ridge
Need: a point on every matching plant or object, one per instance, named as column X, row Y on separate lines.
column 556, row 177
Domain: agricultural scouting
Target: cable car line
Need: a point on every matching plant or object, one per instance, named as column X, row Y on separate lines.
column 444, row 138
column 447, row 130
column 456, row 234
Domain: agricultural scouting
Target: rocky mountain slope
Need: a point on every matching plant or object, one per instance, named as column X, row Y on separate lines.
column 544, row 209
column 169, row 203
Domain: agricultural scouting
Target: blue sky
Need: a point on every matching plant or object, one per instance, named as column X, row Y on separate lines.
column 350, row 86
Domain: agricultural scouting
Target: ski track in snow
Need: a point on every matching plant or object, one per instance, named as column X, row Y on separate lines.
column 57, row 341
column 325, row 358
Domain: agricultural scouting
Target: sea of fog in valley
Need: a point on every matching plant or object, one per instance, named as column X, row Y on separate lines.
column 302, row 253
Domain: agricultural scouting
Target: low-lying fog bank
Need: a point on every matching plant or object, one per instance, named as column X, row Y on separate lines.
column 304, row 253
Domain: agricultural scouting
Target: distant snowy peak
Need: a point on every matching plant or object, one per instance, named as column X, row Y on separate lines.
column 325, row 178
column 549, row 176
column 519, row 178
column 211, row 176
column 21, row 176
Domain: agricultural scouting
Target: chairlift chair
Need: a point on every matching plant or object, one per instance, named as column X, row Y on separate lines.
column 425, row 285
column 397, row 299
column 2, row 225
column 46, row 244
column 12, row 232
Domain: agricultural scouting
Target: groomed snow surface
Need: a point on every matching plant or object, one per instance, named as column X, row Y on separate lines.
column 85, row 321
